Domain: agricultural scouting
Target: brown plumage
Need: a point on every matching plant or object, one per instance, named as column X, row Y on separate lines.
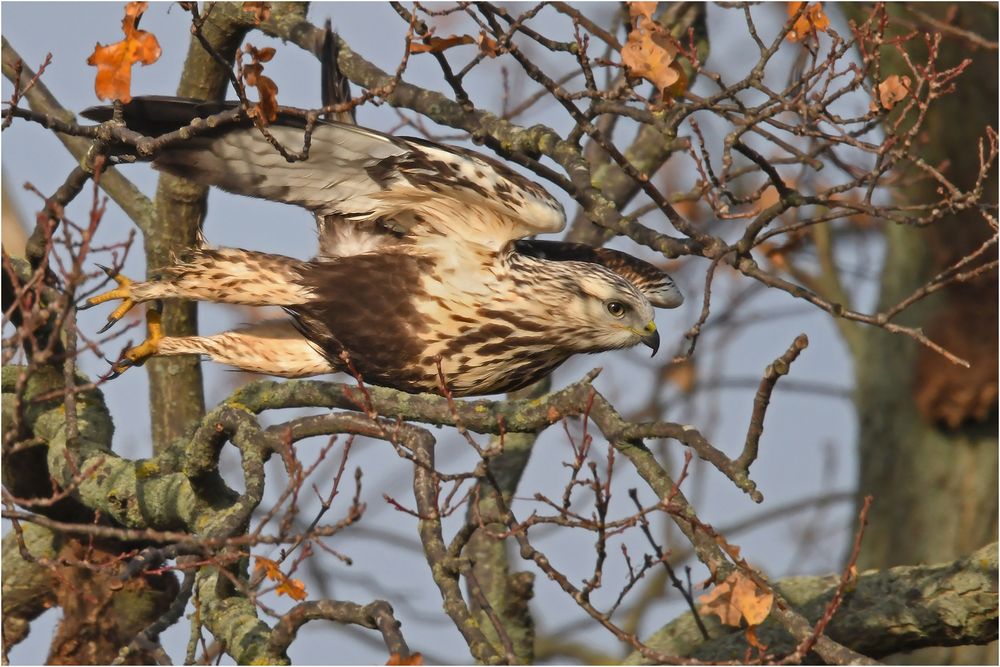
column 423, row 262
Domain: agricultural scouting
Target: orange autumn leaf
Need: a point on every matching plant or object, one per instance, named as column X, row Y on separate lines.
column 682, row 374
column 261, row 11
column 736, row 599
column 690, row 209
column 894, row 89
column 114, row 61
column 649, row 53
column 754, row 603
column 777, row 255
column 271, row 569
column 293, row 588
column 488, row 46
column 637, row 9
column 439, row 44
column 809, row 22
column 768, row 198
column 719, row 602
column 412, row 659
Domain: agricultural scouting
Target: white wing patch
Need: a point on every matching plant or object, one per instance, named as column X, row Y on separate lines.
column 479, row 181
column 362, row 175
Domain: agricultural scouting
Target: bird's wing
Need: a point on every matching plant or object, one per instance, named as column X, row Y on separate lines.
column 654, row 283
column 427, row 189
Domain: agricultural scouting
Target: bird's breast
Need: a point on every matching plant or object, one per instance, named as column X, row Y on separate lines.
column 407, row 321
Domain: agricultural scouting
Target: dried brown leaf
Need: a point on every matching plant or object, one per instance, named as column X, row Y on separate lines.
column 683, row 374
column 267, row 89
column 737, row 599
column 649, row 53
column 637, row 9
column 720, row 603
column 894, row 89
column 488, row 46
column 754, row 604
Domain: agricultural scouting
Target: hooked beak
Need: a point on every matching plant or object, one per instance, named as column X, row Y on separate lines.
column 651, row 337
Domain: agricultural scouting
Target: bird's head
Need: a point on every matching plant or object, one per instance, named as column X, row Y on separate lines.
column 603, row 311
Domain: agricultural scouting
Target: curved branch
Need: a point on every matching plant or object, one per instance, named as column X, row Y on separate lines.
column 486, row 416
column 377, row 615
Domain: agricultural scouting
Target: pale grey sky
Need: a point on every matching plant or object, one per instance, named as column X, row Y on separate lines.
column 808, row 446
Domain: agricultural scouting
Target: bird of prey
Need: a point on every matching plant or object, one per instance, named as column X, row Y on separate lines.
column 426, row 280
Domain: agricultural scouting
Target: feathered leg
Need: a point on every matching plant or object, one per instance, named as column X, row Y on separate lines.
column 226, row 275
column 273, row 348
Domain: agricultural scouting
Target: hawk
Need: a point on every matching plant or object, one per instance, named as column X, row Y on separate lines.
column 425, row 271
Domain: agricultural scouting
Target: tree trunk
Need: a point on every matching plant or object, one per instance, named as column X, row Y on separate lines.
column 928, row 428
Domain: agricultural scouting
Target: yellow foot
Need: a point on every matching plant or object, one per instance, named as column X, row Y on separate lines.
column 138, row 355
column 123, row 292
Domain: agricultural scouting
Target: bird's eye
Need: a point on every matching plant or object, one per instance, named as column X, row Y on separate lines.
column 616, row 308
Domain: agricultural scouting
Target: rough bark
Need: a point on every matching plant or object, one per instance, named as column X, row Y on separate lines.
column 27, row 586
column 928, row 428
column 176, row 394
column 886, row 611
column 158, row 493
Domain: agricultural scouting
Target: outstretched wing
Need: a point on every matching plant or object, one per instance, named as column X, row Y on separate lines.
column 427, row 189
column 655, row 284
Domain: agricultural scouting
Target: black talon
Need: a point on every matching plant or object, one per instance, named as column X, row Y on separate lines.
column 118, row 367
column 107, row 326
column 113, row 373
column 84, row 305
column 109, row 272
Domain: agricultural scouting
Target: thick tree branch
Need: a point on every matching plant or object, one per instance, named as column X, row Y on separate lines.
column 376, row 615
column 483, row 416
column 28, row 587
column 176, row 395
column 887, row 611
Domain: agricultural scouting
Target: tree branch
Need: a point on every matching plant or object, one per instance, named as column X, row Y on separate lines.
column 887, row 611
